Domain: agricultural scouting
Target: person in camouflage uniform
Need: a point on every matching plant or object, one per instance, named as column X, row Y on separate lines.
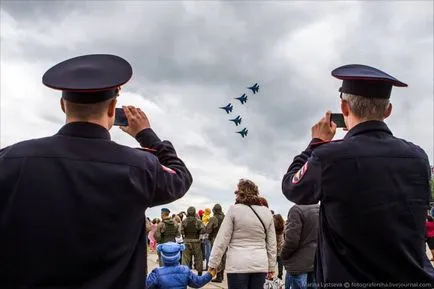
column 167, row 231
column 191, row 229
column 212, row 229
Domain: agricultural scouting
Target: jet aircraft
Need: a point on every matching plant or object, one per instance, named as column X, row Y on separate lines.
column 242, row 98
column 228, row 108
column 243, row 132
column 236, row 120
column 254, row 88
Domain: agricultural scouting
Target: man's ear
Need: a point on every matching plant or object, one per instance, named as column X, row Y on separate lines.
column 345, row 108
column 388, row 111
column 62, row 104
column 112, row 107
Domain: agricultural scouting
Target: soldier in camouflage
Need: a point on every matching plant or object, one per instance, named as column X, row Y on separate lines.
column 167, row 230
column 212, row 229
column 191, row 228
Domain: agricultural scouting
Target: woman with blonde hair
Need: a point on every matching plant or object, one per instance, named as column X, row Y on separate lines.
column 247, row 235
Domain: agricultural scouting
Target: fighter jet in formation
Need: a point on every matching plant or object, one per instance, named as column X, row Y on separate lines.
column 236, row 120
column 254, row 88
column 243, row 132
column 242, row 98
column 228, row 108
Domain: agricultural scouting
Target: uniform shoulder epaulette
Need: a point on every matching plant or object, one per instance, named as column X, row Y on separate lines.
column 316, row 144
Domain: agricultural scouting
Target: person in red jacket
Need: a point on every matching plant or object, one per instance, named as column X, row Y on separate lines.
column 200, row 213
column 430, row 234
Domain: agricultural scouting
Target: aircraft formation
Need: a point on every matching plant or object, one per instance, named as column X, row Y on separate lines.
column 243, row 99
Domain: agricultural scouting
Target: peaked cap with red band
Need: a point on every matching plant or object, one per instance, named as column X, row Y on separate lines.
column 89, row 78
column 366, row 81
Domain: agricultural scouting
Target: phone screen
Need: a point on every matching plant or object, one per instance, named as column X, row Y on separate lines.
column 338, row 119
column 120, row 118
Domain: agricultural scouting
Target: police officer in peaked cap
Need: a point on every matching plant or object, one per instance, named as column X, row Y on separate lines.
column 372, row 186
column 71, row 204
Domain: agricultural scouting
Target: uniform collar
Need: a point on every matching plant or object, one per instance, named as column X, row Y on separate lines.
column 84, row 129
column 370, row 125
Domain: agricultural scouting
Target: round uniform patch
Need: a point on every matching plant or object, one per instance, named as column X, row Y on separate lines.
column 299, row 175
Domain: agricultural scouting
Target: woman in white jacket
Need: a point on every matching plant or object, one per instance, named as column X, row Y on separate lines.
column 248, row 237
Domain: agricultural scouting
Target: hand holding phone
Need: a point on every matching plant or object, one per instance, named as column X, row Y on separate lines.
column 134, row 122
column 324, row 129
column 120, row 118
column 338, row 119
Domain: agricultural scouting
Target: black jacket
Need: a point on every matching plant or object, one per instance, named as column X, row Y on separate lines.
column 71, row 207
column 299, row 246
column 374, row 192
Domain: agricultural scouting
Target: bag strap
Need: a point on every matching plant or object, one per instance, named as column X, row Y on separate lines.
column 265, row 230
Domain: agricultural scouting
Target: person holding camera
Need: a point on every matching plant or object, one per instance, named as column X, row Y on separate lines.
column 373, row 188
column 72, row 204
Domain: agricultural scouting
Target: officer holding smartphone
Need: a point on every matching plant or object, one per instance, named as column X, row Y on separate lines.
column 373, row 188
column 71, row 204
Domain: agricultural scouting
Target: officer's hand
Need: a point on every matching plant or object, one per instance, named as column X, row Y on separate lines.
column 137, row 120
column 324, row 129
column 270, row 276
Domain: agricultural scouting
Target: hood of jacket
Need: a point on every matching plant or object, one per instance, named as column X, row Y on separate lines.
column 217, row 209
column 191, row 212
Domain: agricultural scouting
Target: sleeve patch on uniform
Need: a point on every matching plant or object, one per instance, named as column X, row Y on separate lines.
column 169, row 170
column 299, row 175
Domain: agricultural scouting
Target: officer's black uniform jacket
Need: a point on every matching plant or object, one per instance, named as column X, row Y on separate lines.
column 71, row 207
column 374, row 192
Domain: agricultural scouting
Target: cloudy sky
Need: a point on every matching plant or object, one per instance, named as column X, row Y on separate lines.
column 189, row 58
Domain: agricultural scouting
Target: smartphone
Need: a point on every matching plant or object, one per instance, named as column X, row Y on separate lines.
column 338, row 119
column 120, row 117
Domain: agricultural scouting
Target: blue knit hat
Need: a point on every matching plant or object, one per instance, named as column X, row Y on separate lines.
column 170, row 253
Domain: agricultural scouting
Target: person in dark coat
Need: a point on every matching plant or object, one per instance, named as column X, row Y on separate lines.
column 299, row 246
column 373, row 189
column 72, row 204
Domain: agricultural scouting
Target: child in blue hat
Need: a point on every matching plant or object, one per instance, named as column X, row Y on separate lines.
column 172, row 274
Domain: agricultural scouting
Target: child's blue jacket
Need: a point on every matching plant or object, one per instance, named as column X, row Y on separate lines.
column 175, row 277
